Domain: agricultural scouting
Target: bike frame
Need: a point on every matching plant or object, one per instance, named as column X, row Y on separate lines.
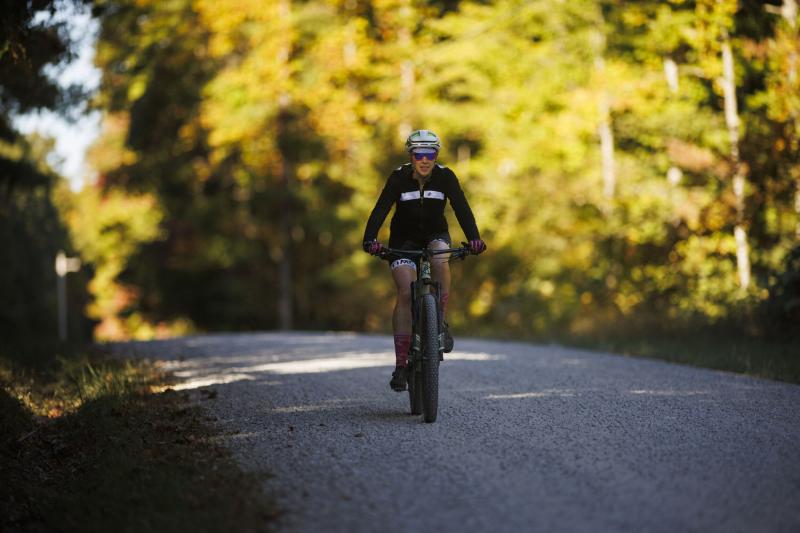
column 423, row 285
column 427, row 343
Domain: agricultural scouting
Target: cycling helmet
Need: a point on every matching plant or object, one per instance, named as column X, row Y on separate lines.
column 422, row 139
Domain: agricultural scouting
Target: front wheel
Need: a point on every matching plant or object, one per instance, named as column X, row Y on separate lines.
column 430, row 358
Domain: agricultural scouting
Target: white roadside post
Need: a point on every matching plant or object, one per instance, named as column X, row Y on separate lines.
column 64, row 265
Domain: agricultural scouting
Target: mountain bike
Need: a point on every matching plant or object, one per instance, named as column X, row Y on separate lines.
column 427, row 337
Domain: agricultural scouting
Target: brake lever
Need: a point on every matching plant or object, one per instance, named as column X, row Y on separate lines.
column 468, row 250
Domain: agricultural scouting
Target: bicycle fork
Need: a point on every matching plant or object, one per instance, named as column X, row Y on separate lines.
column 425, row 285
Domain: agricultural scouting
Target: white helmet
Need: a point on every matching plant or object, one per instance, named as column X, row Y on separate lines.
column 422, row 139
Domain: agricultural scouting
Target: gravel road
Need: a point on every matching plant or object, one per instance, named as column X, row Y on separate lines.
column 529, row 437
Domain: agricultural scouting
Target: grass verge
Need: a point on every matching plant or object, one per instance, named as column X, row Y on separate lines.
column 715, row 348
column 88, row 446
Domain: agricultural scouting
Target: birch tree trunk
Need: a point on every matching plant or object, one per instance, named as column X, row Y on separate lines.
column 789, row 13
column 607, row 149
column 732, row 121
column 674, row 174
column 604, row 128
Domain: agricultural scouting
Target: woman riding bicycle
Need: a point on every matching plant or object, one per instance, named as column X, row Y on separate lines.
column 420, row 189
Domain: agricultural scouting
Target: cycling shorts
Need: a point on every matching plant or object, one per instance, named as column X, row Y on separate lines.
column 414, row 244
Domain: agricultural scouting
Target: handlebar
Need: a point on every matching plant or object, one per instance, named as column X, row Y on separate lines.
column 457, row 253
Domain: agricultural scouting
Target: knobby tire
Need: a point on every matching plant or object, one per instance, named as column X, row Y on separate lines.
column 430, row 359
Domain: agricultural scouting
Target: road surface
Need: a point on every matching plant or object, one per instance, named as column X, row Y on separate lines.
column 529, row 437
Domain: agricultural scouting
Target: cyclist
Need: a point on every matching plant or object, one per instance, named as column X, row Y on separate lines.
column 420, row 189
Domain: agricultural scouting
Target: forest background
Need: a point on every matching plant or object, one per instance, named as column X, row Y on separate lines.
column 633, row 166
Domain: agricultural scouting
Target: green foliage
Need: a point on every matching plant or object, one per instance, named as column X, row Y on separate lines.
column 31, row 232
column 782, row 309
column 109, row 229
column 722, row 346
column 27, row 48
column 264, row 131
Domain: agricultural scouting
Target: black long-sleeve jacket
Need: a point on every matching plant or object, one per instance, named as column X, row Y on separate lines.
column 420, row 212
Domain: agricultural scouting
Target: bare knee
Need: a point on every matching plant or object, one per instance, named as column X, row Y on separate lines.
column 440, row 266
column 403, row 277
column 403, row 296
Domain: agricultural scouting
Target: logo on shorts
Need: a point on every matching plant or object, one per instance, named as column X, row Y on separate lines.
column 404, row 261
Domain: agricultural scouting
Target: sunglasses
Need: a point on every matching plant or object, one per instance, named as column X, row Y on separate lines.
column 431, row 155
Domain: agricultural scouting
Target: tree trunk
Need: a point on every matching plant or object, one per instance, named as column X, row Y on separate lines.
column 284, row 173
column 732, row 122
column 788, row 10
column 285, row 282
column 671, row 74
column 789, row 13
column 674, row 174
column 407, row 77
column 604, row 130
column 607, row 149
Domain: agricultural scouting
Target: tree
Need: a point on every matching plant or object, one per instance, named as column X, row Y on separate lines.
column 783, row 84
column 31, row 231
column 592, row 138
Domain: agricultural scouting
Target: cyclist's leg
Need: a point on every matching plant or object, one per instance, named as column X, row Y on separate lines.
column 403, row 275
column 441, row 268
column 403, row 272
column 441, row 273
